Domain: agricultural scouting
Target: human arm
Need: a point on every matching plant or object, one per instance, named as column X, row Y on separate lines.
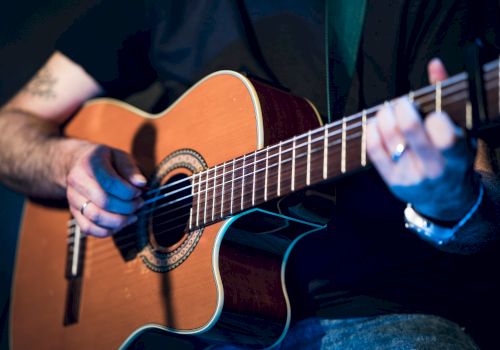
column 436, row 174
column 36, row 159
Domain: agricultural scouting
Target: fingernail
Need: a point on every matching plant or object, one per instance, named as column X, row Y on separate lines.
column 139, row 180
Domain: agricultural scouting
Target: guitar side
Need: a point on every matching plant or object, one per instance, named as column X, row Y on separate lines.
column 222, row 117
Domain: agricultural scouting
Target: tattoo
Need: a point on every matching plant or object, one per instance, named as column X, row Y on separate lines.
column 42, row 84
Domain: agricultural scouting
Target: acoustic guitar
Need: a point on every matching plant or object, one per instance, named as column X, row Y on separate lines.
column 204, row 258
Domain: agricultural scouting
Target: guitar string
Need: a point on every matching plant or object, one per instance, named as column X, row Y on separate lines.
column 428, row 91
column 207, row 189
column 101, row 253
column 97, row 252
column 214, row 179
column 250, row 164
column 216, row 200
column 208, row 179
column 247, row 202
column 239, row 187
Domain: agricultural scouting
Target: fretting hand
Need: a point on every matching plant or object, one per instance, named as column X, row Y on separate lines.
column 427, row 163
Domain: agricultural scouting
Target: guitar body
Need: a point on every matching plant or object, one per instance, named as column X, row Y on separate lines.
column 222, row 282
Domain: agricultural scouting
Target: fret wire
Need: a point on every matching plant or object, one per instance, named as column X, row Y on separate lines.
column 253, row 181
column 363, row 139
column 223, row 189
column 451, row 90
column 343, row 151
column 266, row 174
column 427, row 108
column 191, row 209
column 232, row 187
column 206, row 196
column 279, row 169
column 325, row 154
column 468, row 116
column 213, row 193
column 308, row 171
column 198, row 202
column 293, row 165
column 243, row 182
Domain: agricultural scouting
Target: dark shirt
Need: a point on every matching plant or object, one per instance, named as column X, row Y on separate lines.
column 366, row 263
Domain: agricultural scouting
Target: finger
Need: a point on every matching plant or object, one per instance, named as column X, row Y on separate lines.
column 407, row 169
column 97, row 215
column 442, row 132
column 412, row 128
column 90, row 189
column 450, row 140
column 101, row 167
column 436, row 71
column 389, row 132
column 87, row 227
column 377, row 153
column 127, row 168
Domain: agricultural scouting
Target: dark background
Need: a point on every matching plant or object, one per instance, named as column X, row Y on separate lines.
column 28, row 30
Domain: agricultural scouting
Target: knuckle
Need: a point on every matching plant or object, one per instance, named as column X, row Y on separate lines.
column 409, row 126
column 97, row 231
column 100, row 199
column 120, row 221
column 70, row 179
column 84, row 227
column 94, row 216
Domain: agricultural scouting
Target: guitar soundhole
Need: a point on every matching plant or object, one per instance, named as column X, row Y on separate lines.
column 171, row 213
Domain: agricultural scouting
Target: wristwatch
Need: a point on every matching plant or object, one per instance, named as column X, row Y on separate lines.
column 433, row 232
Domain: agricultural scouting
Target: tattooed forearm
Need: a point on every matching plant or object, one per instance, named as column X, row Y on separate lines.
column 42, row 85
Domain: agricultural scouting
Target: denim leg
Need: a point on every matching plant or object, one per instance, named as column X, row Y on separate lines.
column 401, row 332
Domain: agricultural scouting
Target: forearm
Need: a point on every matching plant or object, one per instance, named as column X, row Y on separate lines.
column 34, row 156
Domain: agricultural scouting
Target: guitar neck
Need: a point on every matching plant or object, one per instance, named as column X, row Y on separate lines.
column 324, row 153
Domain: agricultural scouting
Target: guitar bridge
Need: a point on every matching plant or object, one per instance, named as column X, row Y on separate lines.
column 74, row 272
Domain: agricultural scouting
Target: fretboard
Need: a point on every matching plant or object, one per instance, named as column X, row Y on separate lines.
column 321, row 154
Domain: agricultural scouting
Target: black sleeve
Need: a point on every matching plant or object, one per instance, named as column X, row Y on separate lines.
column 443, row 29
column 111, row 42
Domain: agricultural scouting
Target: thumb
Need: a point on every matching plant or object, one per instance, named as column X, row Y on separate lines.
column 436, row 71
column 127, row 168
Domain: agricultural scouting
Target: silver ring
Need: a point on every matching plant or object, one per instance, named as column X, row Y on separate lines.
column 84, row 205
column 398, row 153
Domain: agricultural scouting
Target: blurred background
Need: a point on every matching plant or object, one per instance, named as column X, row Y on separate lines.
column 28, row 30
